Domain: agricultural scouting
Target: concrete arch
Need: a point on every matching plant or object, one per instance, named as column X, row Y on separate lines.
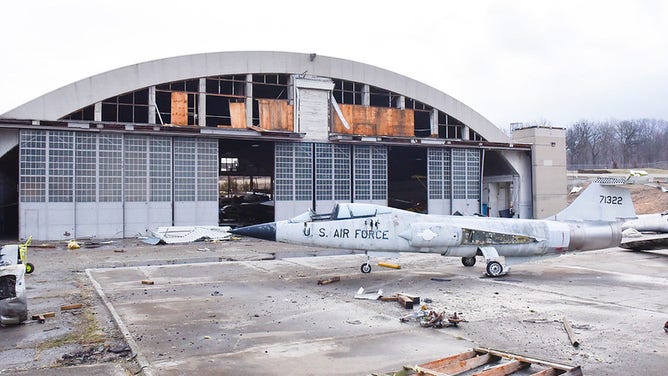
column 87, row 91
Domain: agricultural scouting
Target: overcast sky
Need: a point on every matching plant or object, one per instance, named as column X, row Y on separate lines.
column 512, row 61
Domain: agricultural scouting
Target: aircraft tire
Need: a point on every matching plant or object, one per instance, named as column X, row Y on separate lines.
column 494, row 269
column 30, row 268
column 468, row 261
column 366, row 268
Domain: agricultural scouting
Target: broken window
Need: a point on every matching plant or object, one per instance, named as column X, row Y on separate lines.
column 86, row 113
column 479, row 237
column 126, row 108
column 7, row 286
column 221, row 92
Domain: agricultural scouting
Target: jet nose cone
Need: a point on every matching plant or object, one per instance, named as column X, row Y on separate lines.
column 266, row 231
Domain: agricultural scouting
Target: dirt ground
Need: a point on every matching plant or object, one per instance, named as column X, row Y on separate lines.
column 647, row 198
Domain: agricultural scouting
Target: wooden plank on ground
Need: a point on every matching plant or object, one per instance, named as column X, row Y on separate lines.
column 546, row 372
column 504, row 369
column 71, row 306
column 468, row 364
column 438, row 363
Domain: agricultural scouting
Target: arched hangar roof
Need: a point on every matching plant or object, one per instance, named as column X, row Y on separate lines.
column 85, row 92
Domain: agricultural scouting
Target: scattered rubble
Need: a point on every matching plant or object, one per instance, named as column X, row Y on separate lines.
column 571, row 335
column 327, row 281
column 95, row 354
column 433, row 319
column 368, row 296
column 71, row 306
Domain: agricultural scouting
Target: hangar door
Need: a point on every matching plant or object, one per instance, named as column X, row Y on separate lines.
column 318, row 175
column 454, row 177
column 110, row 185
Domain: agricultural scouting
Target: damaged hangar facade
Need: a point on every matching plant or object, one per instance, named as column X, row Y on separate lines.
column 178, row 141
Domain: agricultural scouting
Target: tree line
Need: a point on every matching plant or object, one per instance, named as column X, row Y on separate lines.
column 639, row 143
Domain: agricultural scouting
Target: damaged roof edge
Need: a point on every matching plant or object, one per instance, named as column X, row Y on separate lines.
column 82, row 93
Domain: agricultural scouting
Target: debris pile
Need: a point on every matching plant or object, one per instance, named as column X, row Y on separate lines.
column 429, row 318
column 187, row 234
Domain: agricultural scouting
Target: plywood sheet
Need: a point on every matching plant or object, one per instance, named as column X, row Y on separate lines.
column 375, row 121
column 179, row 108
column 396, row 122
column 238, row 115
column 276, row 115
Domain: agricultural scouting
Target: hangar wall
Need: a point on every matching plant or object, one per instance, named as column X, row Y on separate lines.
column 334, row 131
column 110, row 185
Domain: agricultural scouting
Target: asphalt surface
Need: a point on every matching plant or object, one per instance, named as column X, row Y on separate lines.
column 251, row 306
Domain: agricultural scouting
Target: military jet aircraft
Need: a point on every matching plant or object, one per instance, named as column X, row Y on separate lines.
column 592, row 221
column 656, row 222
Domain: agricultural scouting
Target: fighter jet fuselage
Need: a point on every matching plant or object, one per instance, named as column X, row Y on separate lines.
column 593, row 221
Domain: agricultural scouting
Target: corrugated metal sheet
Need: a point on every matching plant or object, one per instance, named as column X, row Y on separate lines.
column 313, row 116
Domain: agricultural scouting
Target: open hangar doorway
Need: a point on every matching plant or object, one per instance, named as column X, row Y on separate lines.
column 245, row 182
column 500, row 186
column 407, row 178
column 9, row 195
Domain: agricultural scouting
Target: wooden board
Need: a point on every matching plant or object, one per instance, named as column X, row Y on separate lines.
column 238, row 115
column 375, row 121
column 179, row 108
column 276, row 115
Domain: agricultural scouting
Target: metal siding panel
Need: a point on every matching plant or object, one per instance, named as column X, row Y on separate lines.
column 314, row 113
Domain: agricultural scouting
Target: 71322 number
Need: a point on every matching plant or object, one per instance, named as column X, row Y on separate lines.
column 614, row 200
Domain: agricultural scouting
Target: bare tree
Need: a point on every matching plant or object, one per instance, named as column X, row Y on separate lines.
column 613, row 143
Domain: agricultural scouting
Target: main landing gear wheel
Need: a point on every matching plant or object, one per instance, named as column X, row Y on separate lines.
column 30, row 268
column 468, row 261
column 494, row 269
column 366, row 268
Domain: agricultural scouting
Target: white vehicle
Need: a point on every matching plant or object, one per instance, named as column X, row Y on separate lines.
column 13, row 301
column 592, row 221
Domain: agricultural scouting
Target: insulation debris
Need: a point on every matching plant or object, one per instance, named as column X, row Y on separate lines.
column 188, row 234
column 368, row 296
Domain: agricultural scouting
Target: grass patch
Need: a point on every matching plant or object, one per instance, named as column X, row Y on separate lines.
column 87, row 330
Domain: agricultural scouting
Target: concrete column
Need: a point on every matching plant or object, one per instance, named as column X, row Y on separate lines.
column 151, row 105
column 401, row 102
column 433, row 122
column 97, row 111
column 201, row 110
column 465, row 132
column 249, row 99
column 366, row 95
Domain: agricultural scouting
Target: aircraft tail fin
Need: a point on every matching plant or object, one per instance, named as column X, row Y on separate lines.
column 604, row 200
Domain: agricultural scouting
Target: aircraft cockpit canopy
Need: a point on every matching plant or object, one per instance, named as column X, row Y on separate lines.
column 343, row 211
